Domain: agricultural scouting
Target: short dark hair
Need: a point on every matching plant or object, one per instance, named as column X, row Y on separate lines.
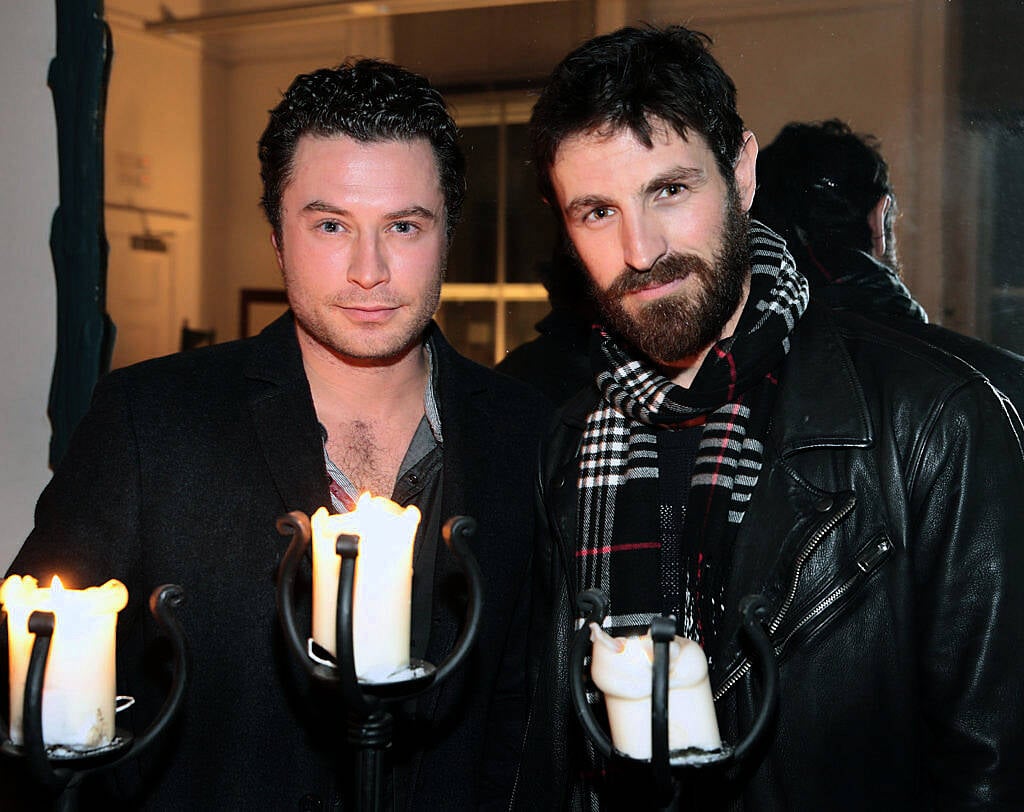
column 367, row 100
column 625, row 79
column 817, row 182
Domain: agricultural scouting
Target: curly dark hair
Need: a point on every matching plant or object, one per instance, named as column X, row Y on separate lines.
column 367, row 100
column 817, row 182
column 625, row 79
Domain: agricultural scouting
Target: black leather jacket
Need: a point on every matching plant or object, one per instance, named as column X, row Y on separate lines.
column 886, row 533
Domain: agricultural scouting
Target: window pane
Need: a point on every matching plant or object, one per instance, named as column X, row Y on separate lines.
column 472, row 257
column 469, row 327
column 531, row 231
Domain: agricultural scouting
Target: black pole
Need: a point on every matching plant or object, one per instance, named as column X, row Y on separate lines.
column 369, row 726
column 663, row 631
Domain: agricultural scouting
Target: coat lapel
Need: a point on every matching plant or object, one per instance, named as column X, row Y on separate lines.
column 282, row 411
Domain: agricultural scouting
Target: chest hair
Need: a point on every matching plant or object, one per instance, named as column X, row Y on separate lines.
column 370, row 454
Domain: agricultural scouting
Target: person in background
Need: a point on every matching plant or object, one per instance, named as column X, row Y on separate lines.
column 183, row 465
column 557, row 362
column 827, row 191
column 743, row 439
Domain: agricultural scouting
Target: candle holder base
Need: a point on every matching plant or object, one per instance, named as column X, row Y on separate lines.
column 60, row 769
column 370, row 726
column 407, row 681
column 593, row 606
column 77, row 757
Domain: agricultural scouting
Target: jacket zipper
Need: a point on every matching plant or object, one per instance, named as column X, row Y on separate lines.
column 744, row 666
column 872, row 557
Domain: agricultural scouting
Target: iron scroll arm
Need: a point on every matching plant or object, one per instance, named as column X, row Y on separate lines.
column 753, row 608
column 62, row 781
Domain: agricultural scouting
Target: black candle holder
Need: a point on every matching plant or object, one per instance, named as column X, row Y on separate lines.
column 60, row 771
column 370, row 724
column 592, row 605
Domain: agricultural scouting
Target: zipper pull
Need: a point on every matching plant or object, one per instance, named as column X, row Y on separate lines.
column 872, row 557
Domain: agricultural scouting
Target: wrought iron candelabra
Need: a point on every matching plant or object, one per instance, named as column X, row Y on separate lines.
column 60, row 771
column 665, row 766
column 370, row 725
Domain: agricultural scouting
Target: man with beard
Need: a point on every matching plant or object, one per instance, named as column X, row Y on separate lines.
column 183, row 465
column 743, row 441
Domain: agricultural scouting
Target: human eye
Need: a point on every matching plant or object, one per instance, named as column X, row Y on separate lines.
column 671, row 190
column 597, row 214
column 329, row 227
column 404, row 227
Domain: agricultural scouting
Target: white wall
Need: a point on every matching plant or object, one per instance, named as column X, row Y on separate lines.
column 28, row 198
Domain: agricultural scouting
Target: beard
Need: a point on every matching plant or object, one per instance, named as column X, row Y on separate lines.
column 679, row 326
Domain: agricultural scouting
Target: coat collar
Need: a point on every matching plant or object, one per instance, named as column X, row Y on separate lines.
column 821, row 402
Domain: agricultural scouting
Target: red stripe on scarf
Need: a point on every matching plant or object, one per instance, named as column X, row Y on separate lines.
column 619, row 548
column 732, row 370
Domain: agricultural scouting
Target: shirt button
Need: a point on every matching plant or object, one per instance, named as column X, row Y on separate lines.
column 412, row 479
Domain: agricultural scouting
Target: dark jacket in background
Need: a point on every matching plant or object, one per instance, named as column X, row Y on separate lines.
column 863, row 285
column 557, row 362
column 886, row 533
column 178, row 475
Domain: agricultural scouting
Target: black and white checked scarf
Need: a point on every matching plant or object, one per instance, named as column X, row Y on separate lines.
column 620, row 545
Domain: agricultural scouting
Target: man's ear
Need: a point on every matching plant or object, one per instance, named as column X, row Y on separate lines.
column 277, row 251
column 876, row 222
column 745, row 171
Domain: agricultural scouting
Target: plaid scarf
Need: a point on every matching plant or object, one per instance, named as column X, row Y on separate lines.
column 631, row 534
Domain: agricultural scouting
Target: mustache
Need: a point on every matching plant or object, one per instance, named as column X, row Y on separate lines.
column 667, row 269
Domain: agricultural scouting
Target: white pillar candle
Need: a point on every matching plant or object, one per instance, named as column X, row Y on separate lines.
column 382, row 595
column 80, row 683
column 622, row 668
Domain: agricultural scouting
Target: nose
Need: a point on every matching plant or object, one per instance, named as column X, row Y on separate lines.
column 368, row 265
column 643, row 243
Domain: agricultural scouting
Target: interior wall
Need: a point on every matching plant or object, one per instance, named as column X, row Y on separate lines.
column 492, row 45
column 153, row 152
column 28, row 198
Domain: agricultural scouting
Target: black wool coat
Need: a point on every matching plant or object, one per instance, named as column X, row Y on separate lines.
column 178, row 475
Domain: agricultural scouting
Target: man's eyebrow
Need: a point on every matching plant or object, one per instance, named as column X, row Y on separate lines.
column 327, row 208
column 584, row 203
column 683, row 175
column 410, row 211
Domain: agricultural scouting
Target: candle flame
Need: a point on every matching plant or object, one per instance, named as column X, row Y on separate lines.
column 25, row 592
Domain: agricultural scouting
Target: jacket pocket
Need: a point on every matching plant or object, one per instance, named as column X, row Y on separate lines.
column 844, row 591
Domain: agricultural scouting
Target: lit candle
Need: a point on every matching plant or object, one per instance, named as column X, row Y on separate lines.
column 382, row 593
column 622, row 667
column 80, row 684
